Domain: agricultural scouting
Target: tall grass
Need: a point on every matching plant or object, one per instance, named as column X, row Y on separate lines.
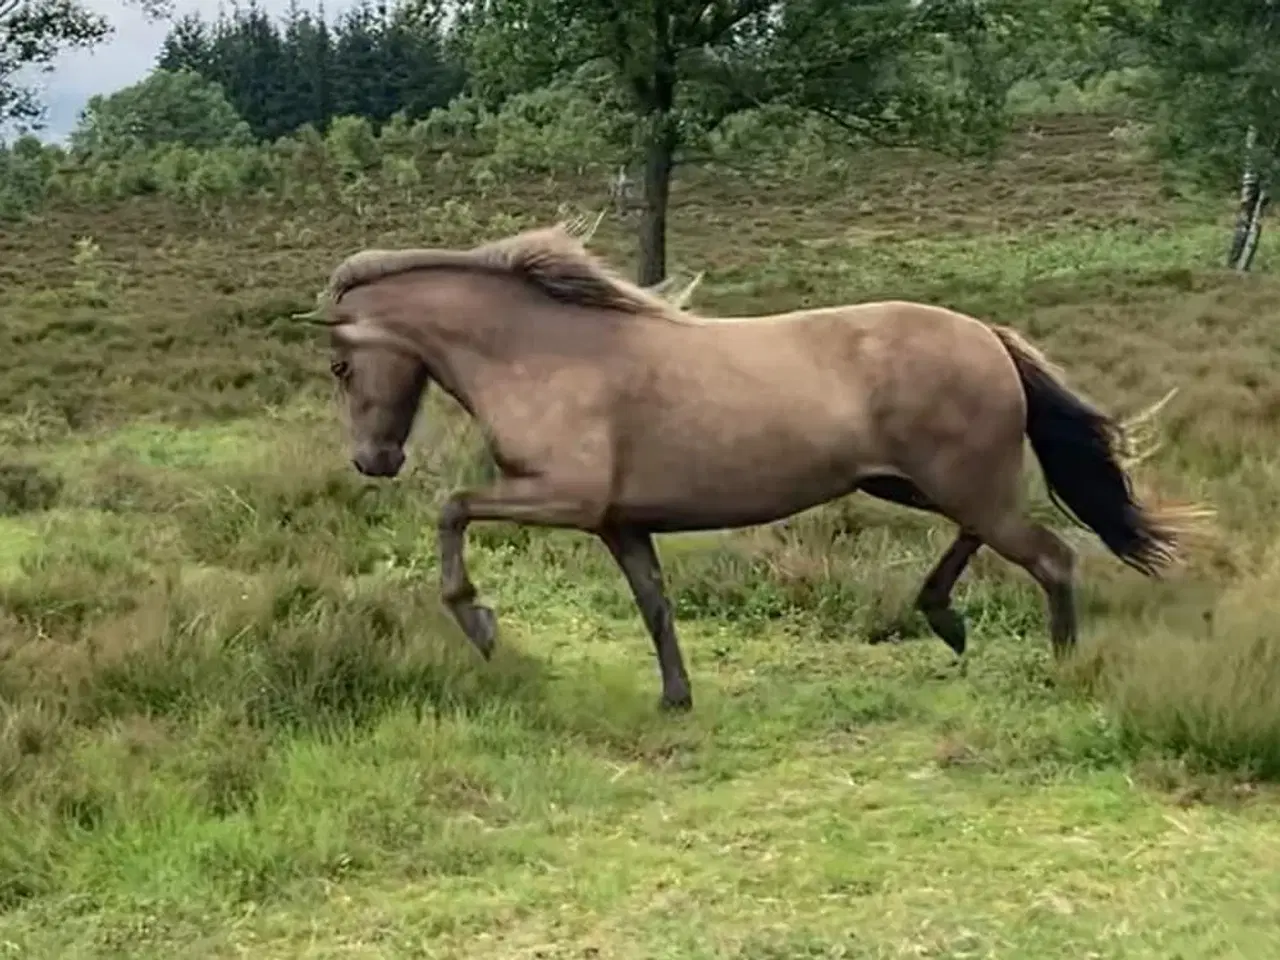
column 224, row 671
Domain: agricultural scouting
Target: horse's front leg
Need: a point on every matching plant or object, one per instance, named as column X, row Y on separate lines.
column 633, row 551
column 528, row 500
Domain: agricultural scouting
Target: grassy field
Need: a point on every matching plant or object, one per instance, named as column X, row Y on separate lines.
column 233, row 720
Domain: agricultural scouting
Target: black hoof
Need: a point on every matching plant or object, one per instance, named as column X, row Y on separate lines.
column 678, row 702
column 950, row 628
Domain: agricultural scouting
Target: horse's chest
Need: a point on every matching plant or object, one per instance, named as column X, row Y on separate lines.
column 538, row 417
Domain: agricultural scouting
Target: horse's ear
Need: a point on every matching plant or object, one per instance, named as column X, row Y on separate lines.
column 317, row 315
column 578, row 229
column 681, row 300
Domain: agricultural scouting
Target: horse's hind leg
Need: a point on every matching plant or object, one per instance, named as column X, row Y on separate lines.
column 934, row 598
column 1051, row 562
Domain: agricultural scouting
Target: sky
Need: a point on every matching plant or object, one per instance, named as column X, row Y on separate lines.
column 124, row 58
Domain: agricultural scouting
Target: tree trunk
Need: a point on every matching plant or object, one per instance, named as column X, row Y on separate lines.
column 1248, row 241
column 1254, row 198
column 659, row 161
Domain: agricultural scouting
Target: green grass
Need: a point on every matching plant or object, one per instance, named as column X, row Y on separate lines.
column 234, row 719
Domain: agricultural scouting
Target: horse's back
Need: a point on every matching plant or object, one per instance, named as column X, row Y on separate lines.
column 743, row 420
column 871, row 348
column 918, row 383
column 883, row 360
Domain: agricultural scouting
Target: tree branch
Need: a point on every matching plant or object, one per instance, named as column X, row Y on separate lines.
column 686, row 24
column 725, row 17
column 858, row 126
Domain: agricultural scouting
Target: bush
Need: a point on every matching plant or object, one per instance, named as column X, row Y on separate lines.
column 26, row 488
column 167, row 107
column 27, row 169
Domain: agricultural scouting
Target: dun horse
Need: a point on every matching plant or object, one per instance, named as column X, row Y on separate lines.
column 612, row 411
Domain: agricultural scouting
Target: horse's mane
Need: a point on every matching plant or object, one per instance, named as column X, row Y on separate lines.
column 549, row 258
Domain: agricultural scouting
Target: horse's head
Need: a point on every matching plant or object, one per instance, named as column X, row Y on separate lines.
column 382, row 379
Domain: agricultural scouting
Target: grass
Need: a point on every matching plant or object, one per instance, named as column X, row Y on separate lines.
column 233, row 718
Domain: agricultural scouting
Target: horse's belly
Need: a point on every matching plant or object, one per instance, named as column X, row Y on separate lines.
column 692, row 499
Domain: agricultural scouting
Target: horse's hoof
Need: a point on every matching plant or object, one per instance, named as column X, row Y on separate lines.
column 482, row 629
column 680, row 702
column 949, row 627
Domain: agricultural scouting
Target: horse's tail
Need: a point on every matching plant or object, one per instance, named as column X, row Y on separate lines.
column 1081, row 451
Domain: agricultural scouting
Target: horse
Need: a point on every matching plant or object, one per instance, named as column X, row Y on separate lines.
column 610, row 410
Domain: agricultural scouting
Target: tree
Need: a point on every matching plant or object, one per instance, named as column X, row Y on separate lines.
column 373, row 62
column 869, row 68
column 167, row 107
column 1072, row 40
column 33, row 33
column 1214, row 83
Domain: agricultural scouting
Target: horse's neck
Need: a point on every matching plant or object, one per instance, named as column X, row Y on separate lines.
column 446, row 338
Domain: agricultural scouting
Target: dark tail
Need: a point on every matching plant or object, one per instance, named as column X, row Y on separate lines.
column 1078, row 447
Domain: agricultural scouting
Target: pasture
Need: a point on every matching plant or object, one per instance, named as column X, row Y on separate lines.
column 235, row 721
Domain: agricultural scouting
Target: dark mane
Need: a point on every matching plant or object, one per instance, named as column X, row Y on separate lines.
column 548, row 258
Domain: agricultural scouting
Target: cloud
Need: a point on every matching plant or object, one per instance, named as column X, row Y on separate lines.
column 125, row 57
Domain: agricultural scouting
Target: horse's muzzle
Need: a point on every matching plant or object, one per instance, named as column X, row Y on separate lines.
column 382, row 462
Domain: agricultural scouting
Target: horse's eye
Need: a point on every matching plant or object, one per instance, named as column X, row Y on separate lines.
column 339, row 368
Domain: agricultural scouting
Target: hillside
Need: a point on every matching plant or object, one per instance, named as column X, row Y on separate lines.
column 234, row 720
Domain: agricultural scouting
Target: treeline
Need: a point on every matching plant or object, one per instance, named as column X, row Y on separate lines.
column 566, row 85
column 282, row 73
column 174, row 135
